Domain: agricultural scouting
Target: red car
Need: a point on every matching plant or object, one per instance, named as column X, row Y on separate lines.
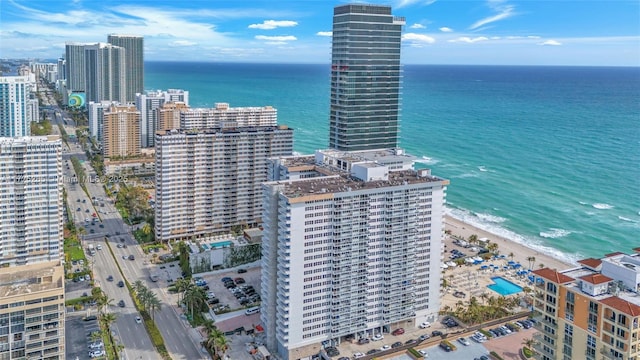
column 398, row 331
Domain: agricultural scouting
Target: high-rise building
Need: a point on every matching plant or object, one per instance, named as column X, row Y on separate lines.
column 75, row 67
column 121, row 132
column 591, row 311
column 18, row 105
column 31, row 184
column 365, row 78
column 31, row 249
column 147, row 104
column 105, row 73
column 351, row 247
column 208, row 181
column 96, row 112
column 168, row 115
column 224, row 116
column 134, row 53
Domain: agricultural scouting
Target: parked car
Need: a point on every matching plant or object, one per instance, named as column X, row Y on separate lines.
column 121, row 303
column 398, row 331
column 110, row 278
column 436, row 333
column 131, row 257
column 363, row 341
column 464, row 341
column 396, row 344
column 90, row 318
column 242, row 271
column 120, row 283
column 138, row 320
column 425, row 325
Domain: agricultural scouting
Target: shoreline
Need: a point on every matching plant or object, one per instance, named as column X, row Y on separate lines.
column 506, row 246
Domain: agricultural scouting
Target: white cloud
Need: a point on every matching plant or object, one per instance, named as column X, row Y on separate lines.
column 550, row 43
column 466, row 39
column 446, row 29
column 273, row 24
column 183, row 43
column 403, row 3
column 533, row 37
column 324, row 33
column 504, row 11
column 418, row 38
column 418, row 26
column 276, row 38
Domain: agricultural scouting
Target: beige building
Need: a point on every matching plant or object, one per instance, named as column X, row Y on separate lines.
column 225, row 116
column 32, row 312
column 591, row 311
column 121, row 132
column 169, row 115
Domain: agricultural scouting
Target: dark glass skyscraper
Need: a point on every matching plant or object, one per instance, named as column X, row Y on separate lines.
column 134, row 53
column 365, row 78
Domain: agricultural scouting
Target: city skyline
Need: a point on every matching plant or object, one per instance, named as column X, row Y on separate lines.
column 437, row 32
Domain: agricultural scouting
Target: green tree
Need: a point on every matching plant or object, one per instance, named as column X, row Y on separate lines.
column 473, row 239
column 194, row 297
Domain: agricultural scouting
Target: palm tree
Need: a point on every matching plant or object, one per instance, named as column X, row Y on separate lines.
column 511, row 255
column 484, row 296
column 216, row 343
column 194, row 297
column 181, row 286
column 473, row 239
column 95, row 336
column 103, row 302
column 532, row 261
column 529, row 342
column 146, row 229
column 541, row 266
column 492, row 247
column 209, row 325
column 153, row 303
column 106, row 320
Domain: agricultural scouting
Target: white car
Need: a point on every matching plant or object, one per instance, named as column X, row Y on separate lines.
column 97, row 353
column 99, row 247
column 138, row 320
column 423, row 352
column 377, row 337
column 385, row 347
column 96, row 345
column 464, row 341
column 358, row 355
column 425, row 325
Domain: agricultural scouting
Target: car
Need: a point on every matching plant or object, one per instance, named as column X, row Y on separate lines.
column 95, row 345
column 445, row 347
column 117, row 232
column 424, row 337
column 358, row 355
column 425, row 325
column 78, row 209
column 372, row 351
column 411, row 341
column 78, row 200
column 396, row 344
column 398, row 331
column 121, row 303
column 131, row 257
column 124, row 257
column 343, row 358
column 81, row 262
column 110, row 278
column 87, row 277
column 385, row 347
column 96, row 353
column 242, row 271
column 138, row 320
column 363, row 341
column 119, row 246
column 213, row 301
column 252, row 311
column 90, row 318
column 226, row 279
column 436, row 333
column 87, row 210
column 92, row 231
column 101, row 225
column 99, row 247
column 210, row 295
column 377, row 337
column 484, row 357
column 464, row 341
column 239, row 280
column 423, row 352
column 120, row 283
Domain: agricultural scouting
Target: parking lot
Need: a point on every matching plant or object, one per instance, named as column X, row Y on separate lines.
column 76, row 336
column 242, row 281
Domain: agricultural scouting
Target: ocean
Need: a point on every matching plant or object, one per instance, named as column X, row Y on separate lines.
column 546, row 156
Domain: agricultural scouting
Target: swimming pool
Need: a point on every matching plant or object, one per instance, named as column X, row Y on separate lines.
column 504, row 287
column 220, row 244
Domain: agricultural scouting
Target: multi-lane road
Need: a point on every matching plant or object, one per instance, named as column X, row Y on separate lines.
column 180, row 340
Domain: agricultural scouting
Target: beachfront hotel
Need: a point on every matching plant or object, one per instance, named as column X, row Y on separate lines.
column 18, row 105
column 105, row 72
column 31, row 249
column 148, row 103
column 121, row 132
column 208, row 181
column 365, row 78
column 591, row 311
column 351, row 248
column 133, row 46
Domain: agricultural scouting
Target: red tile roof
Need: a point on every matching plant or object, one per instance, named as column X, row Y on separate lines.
column 590, row 262
column 553, row 276
column 614, row 254
column 622, row 305
column 596, row 278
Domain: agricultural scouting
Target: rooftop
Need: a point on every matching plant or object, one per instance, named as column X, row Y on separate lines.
column 553, row 275
column 590, row 262
column 596, row 279
column 29, row 279
column 622, row 305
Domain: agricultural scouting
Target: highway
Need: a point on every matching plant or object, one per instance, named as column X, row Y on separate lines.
column 178, row 337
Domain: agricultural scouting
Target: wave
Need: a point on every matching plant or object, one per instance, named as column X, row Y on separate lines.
column 427, row 160
column 482, row 169
column 466, row 175
column 583, row 203
column 493, row 228
column 554, row 233
column 490, row 218
column 602, row 206
column 626, row 219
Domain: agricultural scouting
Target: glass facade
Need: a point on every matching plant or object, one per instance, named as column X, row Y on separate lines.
column 365, row 78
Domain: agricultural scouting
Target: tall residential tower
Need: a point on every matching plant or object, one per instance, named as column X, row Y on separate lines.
column 134, row 53
column 18, row 105
column 365, row 78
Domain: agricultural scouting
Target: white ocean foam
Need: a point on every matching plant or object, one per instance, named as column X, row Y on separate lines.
column 554, row 233
column 626, row 219
column 490, row 218
column 427, row 160
column 602, row 206
column 583, row 203
column 493, row 228
column 465, row 175
column 482, row 169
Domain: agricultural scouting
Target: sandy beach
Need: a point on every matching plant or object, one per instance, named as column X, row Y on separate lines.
column 505, row 246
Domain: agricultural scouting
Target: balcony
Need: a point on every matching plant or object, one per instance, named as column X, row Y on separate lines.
column 540, row 349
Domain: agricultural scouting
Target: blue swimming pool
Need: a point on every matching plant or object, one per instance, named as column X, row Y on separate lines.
column 220, row 244
column 504, row 287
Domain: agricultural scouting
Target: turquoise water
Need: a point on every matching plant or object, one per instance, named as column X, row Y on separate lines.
column 546, row 156
column 503, row 286
column 217, row 245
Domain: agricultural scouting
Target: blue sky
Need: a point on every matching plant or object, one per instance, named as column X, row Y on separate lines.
column 530, row 32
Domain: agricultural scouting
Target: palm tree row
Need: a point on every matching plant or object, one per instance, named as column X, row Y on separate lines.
column 105, row 318
column 215, row 343
column 194, row 298
column 493, row 307
column 147, row 298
